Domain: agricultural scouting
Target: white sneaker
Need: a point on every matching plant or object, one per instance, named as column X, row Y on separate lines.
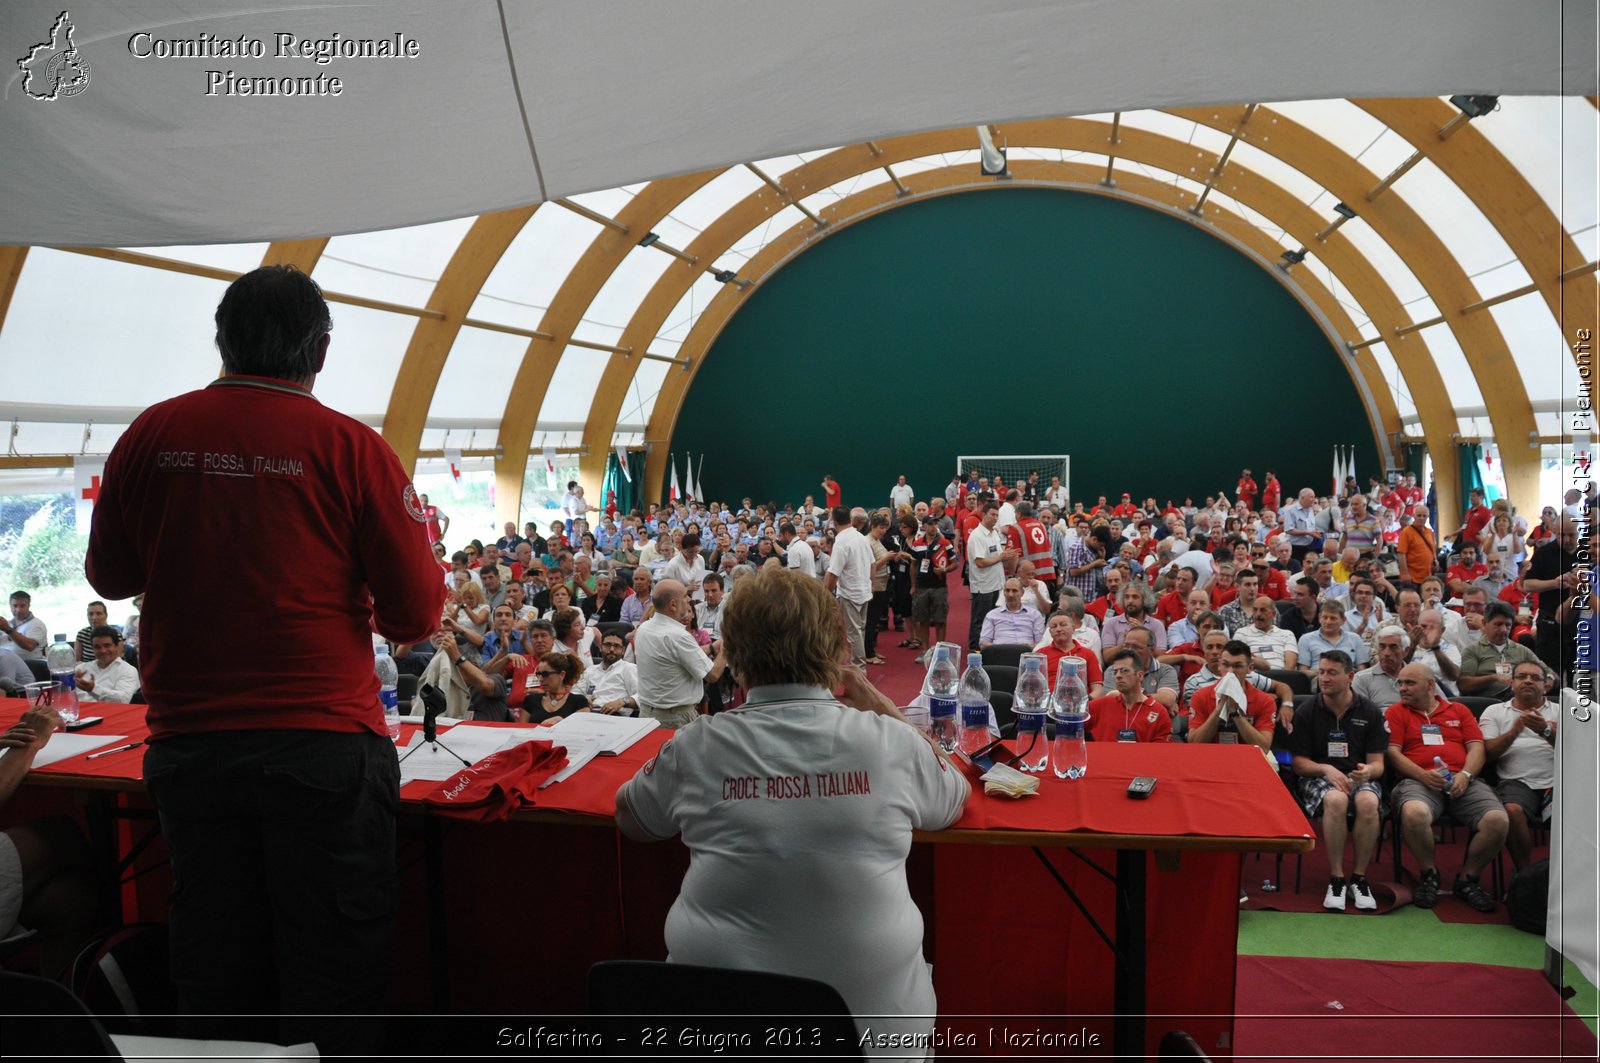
column 1365, row 901
column 922, row 658
column 1334, row 899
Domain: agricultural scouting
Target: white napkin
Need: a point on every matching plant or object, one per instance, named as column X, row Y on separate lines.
column 1002, row 780
column 1231, row 690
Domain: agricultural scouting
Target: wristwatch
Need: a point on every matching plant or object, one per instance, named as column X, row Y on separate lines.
column 1465, row 772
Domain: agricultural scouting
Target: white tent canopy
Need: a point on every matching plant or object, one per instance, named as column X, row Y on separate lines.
column 511, row 103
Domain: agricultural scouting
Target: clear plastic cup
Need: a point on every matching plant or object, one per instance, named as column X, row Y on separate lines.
column 64, row 699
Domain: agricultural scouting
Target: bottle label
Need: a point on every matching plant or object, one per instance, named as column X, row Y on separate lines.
column 975, row 717
column 938, row 707
column 1029, row 722
column 389, row 697
column 69, row 680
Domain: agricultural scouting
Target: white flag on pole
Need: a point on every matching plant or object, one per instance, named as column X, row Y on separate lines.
column 1338, row 478
column 1350, row 463
column 622, row 464
column 699, row 481
column 550, row 467
column 87, row 474
column 672, row 488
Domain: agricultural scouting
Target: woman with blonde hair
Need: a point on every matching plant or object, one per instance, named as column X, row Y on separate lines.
column 1500, row 545
column 798, row 811
column 472, row 609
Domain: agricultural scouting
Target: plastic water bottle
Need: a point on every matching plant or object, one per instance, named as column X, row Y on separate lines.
column 388, row 690
column 1439, row 765
column 940, row 686
column 973, row 695
column 1069, row 753
column 1030, row 704
column 61, row 657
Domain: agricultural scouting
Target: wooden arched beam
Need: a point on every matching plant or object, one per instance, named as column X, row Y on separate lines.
column 605, row 253
column 1075, row 134
column 1145, row 191
column 1428, row 259
column 301, row 254
column 12, row 259
column 458, row 287
column 1498, row 189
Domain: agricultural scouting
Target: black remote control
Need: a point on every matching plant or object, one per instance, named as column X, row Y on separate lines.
column 1141, row 786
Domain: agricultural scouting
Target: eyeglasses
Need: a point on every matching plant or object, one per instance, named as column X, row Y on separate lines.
column 544, row 673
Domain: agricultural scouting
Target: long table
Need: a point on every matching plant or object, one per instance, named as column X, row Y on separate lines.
column 1012, row 927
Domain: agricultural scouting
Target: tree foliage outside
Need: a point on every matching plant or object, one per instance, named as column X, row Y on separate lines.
column 45, row 550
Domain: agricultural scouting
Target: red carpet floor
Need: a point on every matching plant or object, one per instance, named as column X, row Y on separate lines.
column 901, row 677
column 1295, row 1008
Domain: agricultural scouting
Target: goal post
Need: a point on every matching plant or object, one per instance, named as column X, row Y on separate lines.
column 1016, row 467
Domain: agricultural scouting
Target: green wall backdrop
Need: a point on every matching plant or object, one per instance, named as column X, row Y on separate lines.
column 1019, row 321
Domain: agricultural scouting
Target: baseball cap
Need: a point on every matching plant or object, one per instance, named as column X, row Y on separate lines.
column 930, row 519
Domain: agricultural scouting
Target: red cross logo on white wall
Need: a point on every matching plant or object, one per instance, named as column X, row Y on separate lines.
column 92, row 492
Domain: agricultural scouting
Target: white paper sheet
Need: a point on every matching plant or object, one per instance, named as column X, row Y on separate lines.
column 63, row 744
column 613, row 733
column 153, row 1049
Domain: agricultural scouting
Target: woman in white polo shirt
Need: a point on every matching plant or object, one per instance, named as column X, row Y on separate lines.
column 798, row 809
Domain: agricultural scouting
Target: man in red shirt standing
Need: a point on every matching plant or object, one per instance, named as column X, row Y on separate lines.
column 1271, row 492
column 1125, row 508
column 1246, row 491
column 436, row 520
column 831, row 492
column 1436, row 752
column 273, row 774
column 1129, row 714
column 1477, row 516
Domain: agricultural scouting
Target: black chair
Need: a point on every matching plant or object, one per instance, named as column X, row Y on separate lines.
column 1476, row 704
column 1001, row 677
column 1007, row 654
column 631, row 987
column 40, row 670
column 1297, row 681
column 1000, row 701
column 406, row 691
column 47, row 1020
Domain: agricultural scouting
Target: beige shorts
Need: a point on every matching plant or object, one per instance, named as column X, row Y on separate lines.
column 1467, row 809
column 672, row 718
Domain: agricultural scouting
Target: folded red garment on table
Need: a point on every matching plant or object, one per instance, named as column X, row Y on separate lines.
column 499, row 784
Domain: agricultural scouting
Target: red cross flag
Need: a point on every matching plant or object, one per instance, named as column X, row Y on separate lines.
column 87, row 473
column 550, row 467
column 452, row 458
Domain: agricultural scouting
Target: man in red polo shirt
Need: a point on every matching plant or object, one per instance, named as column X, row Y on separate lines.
column 1125, row 508
column 1466, row 571
column 1222, row 589
column 1246, row 491
column 1270, row 581
column 1436, row 752
column 1476, row 517
column 273, row 774
column 1129, row 714
column 1271, row 492
column 1174, row 605
column 1062, row 628
column 1109, row 603
column 832, row 492
column 1233, row 723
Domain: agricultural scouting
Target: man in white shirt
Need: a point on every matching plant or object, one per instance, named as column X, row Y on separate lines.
column 687, row 566
column 1270, row 645
column 108, row 677
column 1056, row 495
column 612, row 686
column 901, row 495
column 708, row 617
column 797, row 553
column 987, row 555
column 1008, row 509
column 1520, row 739
column 849, row 578
column 23, row 634
column 672, row 666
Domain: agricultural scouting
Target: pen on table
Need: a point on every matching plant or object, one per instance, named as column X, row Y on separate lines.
column 115, row 749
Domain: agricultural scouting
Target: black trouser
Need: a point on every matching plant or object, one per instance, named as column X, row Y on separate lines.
column 1554, row 645
column 283, row 880
column 981, row 604
column 877, row 610
column 900, row 597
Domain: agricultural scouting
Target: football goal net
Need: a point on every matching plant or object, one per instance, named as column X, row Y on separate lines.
column 1014, row 469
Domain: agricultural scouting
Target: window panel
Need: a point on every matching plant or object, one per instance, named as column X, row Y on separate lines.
column 1377, row 251
column 363, row 360
column 779, row 165
column 674, row 233
column 134, row 335
column 1548, row 424
column 395, row 265
column 607, row 201
column 690, row 306
column 627, row 286
column 480, row 361
column 1397, row 384
column 717, row 197
column 640, row 402
column 1441, row 204
column 1387, row 152
column 1340, row 122
column 528, row 275
column 572, row 386
column 1459, row 382
column 1551, row 140
column 1269, row 168
column 240, row 258
column 1537, row 346
column 1502, row 278
column 598, row 332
